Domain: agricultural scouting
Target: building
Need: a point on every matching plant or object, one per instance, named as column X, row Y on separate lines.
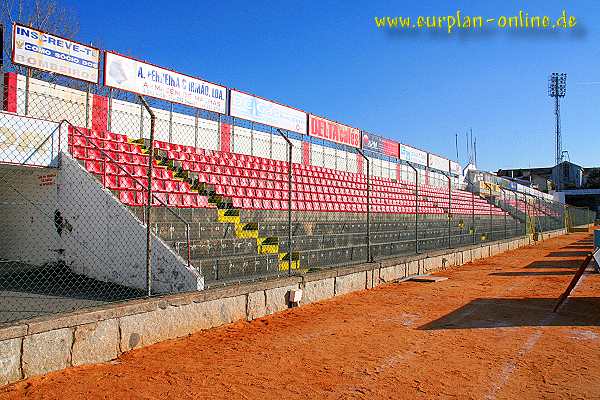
column 569, row 183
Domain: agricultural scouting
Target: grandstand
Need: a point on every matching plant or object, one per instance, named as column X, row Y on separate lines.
column 210, row 188
column 190, row 192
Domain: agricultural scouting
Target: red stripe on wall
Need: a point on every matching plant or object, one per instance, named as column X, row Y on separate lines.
column 359, row 164
column 225, row 137
column 99, row 113
column 305, row 153
column 10, row 92
column 398, row 172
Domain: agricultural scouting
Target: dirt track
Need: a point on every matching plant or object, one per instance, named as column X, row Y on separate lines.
column 487, row 332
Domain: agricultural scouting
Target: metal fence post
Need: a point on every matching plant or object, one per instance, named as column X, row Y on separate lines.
column 369, row 258
column 505, row 213
column 149, row 204
column 416, row 205
column 473, row 217
column 87, row 106
column 290, row 248
column 196, row 129
column 109, row 119
column 542, row 222
column 449, row 210
column 27, row 79
column 170, row 122
column 491, row 218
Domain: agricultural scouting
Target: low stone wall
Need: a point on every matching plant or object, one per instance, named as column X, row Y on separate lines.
column 100, row 334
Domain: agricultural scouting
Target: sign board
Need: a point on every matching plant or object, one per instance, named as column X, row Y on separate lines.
column 408, row 153
column 28, row 141
column 455, row 168
column 44, row 51
column 437, row 162
column 149, row 80
column 333, row 131
column 379, row 144
column 252, row 108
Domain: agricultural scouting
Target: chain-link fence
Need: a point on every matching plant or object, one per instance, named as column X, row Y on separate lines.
column 108, row 198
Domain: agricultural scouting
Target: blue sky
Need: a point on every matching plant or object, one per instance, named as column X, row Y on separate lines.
column 418, row 88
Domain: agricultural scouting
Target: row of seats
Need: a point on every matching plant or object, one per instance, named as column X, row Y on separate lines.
column 253, row 182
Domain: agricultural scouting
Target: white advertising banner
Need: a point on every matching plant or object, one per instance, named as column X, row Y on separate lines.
column 439, row 163
column 149, row 80
column 266, row 112
column 28, row 141
column 44, row 51
column 455, row 168
column 413, row 155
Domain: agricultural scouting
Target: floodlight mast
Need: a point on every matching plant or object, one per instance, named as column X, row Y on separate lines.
column 557, row 88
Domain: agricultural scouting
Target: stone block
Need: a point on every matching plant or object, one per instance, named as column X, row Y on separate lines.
column 434, row 263
column 256, row 305
column 392, row 272
column 140, row 330
column 413, row 268
column 96, row 342
column 318, row 290
column 350, row 283
column 46, row 352
column 466, row 256
column 277, row 298
column 475, row 253
column 10, row 361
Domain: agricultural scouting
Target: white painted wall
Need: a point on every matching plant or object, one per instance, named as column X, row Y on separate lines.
column 108, row 242
column 27, row 231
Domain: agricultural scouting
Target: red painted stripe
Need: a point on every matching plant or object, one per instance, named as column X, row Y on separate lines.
column 359, row 164
column 398, row 172
column 305, row 153
column 99, row 113
column 10, row 92
column 225, row 137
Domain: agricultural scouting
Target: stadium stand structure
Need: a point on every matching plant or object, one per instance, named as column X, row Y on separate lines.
column 236, row 206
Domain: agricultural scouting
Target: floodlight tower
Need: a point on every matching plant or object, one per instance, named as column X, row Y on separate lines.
column 557, row 88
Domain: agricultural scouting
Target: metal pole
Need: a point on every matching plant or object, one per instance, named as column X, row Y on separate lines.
column 109, row 121
column 196, row 129
column 473, row 216
column 505, row 213
column 491, row 218
column 449, row 210
column 369, row 258
column 171, row 122
column 149, row 204
column 27, row 79
column 290, row 248
column 416, row 206
column 527, row 219
column 87, row 106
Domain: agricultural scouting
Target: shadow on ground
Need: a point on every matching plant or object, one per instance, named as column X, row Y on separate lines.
column 498, row 313
column 533, row 273
column 561, row 264
column 569, row 253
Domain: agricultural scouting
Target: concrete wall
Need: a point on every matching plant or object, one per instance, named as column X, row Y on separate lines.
column 28, row 198
column 46, row 344
column 100, row 239
column 108, row 243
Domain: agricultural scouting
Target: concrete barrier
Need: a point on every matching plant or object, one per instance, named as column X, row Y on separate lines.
column 38, row 346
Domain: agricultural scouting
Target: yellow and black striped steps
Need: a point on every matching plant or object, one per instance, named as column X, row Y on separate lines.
column 225, row 211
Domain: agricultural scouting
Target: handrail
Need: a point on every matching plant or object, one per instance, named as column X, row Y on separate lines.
column 150, row 196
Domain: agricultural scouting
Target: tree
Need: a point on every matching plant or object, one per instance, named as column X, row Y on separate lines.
column 46, row 15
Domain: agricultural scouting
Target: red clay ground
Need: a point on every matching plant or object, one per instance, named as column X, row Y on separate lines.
column 485, row 333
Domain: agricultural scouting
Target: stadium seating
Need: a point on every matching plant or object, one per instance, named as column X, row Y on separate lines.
column 329, row 207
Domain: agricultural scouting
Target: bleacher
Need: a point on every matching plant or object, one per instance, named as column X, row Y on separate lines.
column 237, row 207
